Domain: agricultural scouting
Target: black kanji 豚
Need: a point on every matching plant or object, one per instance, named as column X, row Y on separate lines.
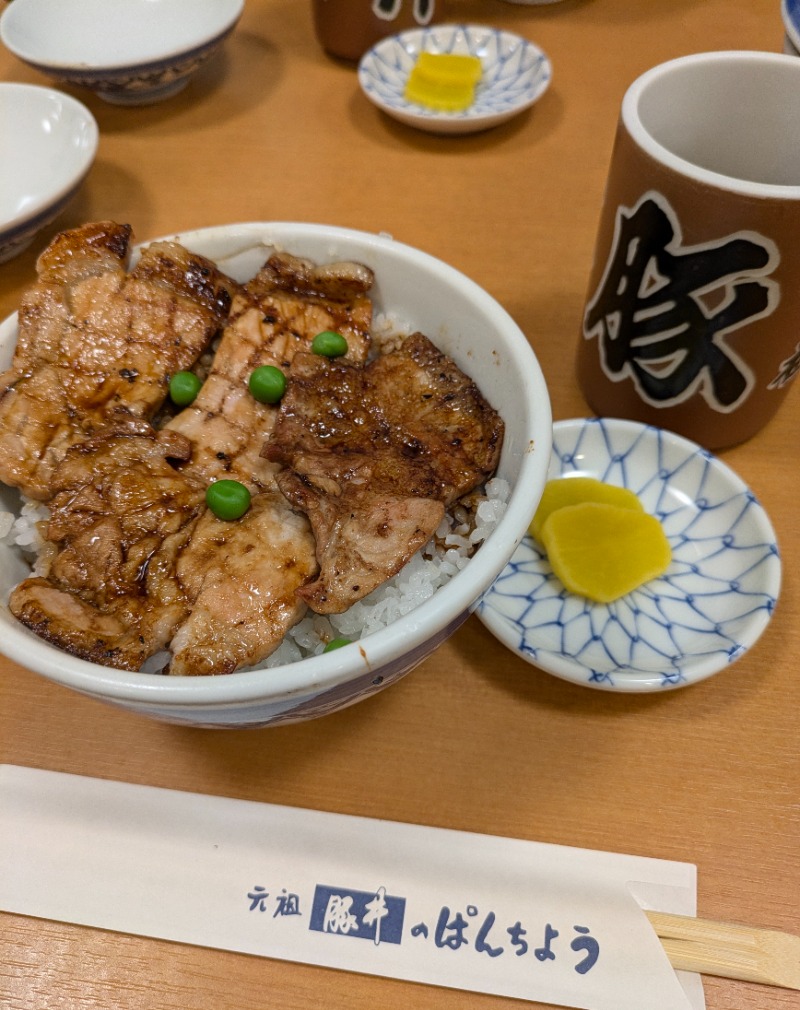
column 662, row 310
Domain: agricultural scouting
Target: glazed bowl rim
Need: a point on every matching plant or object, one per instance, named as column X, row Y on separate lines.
column 158, row 56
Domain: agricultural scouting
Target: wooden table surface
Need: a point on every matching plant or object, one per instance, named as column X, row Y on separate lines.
column 475, row 738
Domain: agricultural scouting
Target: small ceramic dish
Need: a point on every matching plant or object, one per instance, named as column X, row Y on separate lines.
column 790, row 12
column 516, row 73
column 131, row 52
column 704, row 613
column 49, row 142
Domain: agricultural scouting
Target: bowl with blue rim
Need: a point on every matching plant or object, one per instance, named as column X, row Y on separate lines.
column 52, row 143
column 130, row 52
column 417, row 293
column 790, row 13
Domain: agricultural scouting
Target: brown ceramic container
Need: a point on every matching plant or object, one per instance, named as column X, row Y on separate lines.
column 348, row 28
column 692, row 320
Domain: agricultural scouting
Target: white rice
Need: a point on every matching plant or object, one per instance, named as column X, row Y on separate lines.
column 22, row 531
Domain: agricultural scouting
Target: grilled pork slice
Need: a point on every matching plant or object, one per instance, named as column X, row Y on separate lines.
column 367, row 518
column 73, row 257
column 277, row 315
column 243, row 577
column 98, row 344
column 374, row 455
column 120, row 515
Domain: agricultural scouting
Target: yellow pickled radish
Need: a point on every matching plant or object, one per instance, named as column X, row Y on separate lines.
column 604, row 551
column 564, row 491
column 449, row 68
column 441, row 97
column 443, row 81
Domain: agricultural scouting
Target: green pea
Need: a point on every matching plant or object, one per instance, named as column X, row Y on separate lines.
column 228, row 499
column 330, row 344
column 183, row 388
column 267, row 384
column 336, row 643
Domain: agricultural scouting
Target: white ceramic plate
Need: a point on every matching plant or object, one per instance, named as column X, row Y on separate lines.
column 48, row 143
column 516, row 73
column 711, row 605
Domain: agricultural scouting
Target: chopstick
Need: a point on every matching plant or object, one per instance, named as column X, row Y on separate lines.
column 729, row 951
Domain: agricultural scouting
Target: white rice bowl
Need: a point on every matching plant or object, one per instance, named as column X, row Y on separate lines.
column 398, row 625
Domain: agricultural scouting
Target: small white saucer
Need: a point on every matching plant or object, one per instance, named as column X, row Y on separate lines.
column 711, row 605
column 515, row 74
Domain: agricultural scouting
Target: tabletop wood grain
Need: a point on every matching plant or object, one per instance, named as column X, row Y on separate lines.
column 474, row 738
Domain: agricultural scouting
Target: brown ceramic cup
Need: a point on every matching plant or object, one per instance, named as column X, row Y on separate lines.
column 692, row 321
column 348, row 28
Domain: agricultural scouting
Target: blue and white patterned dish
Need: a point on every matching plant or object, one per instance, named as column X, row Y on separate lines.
column 711, row 605
column 790, row 12
column 516, row 73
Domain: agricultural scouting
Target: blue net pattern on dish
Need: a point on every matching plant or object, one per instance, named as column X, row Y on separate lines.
column 515, row 72
column 717, row 595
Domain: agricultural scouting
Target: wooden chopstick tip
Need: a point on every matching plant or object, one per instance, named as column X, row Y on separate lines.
column 728, row 950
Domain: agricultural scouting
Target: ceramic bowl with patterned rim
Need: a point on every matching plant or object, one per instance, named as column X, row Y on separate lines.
column 130, row 52
column 418, row 292
column 705, row 612
column 50, row 144
column 515, row 74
